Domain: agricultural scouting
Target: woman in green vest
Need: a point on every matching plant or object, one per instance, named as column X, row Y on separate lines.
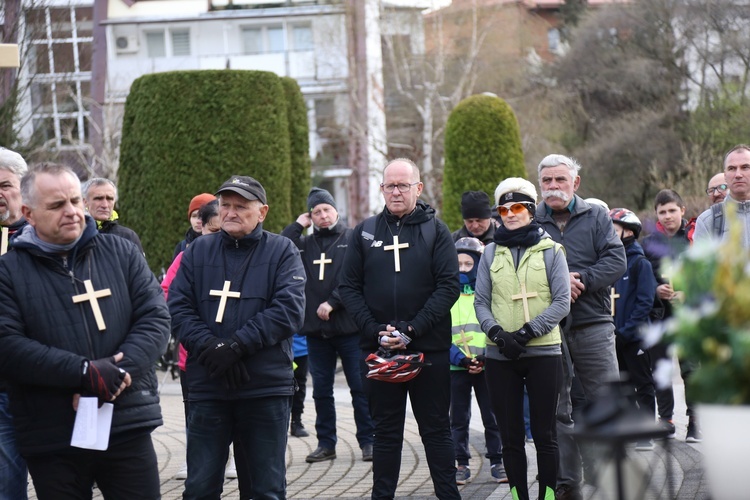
column 522, row 293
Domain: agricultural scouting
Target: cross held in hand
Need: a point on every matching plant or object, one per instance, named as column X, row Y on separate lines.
column 464, row 340
column 93, row 296
column 224, row 293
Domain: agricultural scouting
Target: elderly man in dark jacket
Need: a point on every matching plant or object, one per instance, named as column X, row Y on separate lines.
column 82, row 316
column 330, row 329
column 400, row 281
column 99, row 197
column 236, row 301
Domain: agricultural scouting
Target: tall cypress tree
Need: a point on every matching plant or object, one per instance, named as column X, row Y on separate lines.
column 300, row 145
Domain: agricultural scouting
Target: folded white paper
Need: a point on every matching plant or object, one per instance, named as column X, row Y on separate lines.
column 92, row 425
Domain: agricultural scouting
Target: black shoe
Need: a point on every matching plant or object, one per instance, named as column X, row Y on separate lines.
column 320, row 455
column 568, row 492
column 694, row 434
column 367, row 453
column 297, row 429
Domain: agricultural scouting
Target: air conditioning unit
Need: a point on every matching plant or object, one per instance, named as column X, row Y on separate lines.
column 126, row 44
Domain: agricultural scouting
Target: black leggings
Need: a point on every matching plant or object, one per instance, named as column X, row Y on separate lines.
column 542, row 377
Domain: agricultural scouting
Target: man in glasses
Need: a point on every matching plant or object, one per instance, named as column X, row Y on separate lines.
column 713, row 222
column 596, row 260
column 400, row 280
column 717, row 188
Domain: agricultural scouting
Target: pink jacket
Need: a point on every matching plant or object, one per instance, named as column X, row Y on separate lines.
column 168, row 278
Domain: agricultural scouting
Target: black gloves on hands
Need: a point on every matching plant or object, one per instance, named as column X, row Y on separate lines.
column 236, row 376
column 219, row 355
column 102, row 378
column 465, row 363
column 508, row 346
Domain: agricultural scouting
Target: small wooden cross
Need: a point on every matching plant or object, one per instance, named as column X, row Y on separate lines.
column 322, row 261
column 93, row 296
column 9, row 55
column 396, row 252
column 223, row 293
column 525, row 297
column 4, row 244
column 464, row 340
column 612, row 297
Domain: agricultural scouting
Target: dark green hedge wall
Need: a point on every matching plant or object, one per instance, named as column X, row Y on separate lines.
column 482, row 147
column 186, row 132
column 300, row 143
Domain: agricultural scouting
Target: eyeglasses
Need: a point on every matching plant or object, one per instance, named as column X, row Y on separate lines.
column 402, row 188
column 516, row 208
column 712, row 190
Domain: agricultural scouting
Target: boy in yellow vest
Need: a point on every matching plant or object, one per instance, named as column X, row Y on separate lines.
column 467, row 370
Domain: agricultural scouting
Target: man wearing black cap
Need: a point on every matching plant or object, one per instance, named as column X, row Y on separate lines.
column 477, row 215
column 236, row 301
column 329, row 327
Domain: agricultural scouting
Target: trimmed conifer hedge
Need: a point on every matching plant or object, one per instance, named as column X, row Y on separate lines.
column 300, row 144
column 482, row 147
column 186, row 132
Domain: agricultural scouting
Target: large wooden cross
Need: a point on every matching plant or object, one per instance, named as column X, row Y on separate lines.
column 9, row 55
column 524, row 296
column 612, row 297
column 93, row 297
column 4, row 243
column 322, row 261
column 396, row 252
column 464, row 341
column 223, row 293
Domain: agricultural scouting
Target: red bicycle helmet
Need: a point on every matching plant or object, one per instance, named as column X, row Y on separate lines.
column 388, row 366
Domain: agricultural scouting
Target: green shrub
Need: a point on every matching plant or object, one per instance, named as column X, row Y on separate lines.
column 186, row 132
column 300, row 145
column 482, row 147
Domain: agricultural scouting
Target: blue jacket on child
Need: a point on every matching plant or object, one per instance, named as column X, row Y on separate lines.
column 637, row 290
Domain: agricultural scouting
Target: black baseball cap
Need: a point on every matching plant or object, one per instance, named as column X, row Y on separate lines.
column 245, row 186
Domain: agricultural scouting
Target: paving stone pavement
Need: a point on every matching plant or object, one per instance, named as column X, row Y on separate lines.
column 348, row 477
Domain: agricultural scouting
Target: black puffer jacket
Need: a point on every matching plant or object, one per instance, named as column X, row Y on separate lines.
column 333, row 241
column 45, row 337
column 267, row 271
column 421, row 294
column 114, row 227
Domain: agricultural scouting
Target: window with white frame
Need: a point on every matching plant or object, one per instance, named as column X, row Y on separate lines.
column 173, row 42
column 262, row 39
column 302, row 37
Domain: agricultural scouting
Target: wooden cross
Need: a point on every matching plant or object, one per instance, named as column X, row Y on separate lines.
column 93, row 296
column 612, row 297
column 4, row 244
column 322, row 261
column 9, row 55
column 396, row 252
column 223, row 293
column 525, row 297
column 464, row 340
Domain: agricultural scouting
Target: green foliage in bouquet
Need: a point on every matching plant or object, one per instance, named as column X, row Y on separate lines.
column 711, row 328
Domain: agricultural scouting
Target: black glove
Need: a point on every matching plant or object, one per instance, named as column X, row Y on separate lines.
column 101, row 377
column 465, row 363
column 219, row 355
column 376, row 333
column 403, row 328
column 236, row 376
column 523, row 334
column 505, row 342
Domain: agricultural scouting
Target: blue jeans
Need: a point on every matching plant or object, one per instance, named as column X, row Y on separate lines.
column 322, row 354
column 13, row 475
column 259, row 429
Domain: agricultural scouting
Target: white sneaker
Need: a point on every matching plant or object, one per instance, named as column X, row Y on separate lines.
column 231, row 471
column 182, row 472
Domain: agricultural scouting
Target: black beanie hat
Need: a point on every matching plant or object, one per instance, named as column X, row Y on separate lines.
column 475, row 205
column 318, row 196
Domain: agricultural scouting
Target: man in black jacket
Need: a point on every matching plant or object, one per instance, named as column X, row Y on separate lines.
column 100, row 196
column 82, row 316
column 477, row 215
column 400, row 281
column 329, row 327
column 236, row 301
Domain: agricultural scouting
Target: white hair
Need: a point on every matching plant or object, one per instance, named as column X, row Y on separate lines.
column 94, row 182
column 554, row 160
column 515, row 185
column 12, row 162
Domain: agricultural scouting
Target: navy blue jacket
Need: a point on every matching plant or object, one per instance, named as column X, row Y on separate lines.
column 422, row 294
column 45, row 337
column 637, row 289
column 267, row 270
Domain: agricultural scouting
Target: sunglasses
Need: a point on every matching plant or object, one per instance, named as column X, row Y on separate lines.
column 712, row 190
column 516, row 208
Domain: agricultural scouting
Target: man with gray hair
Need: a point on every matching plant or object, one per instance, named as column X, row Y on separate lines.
column 596, row 260
column 12, row 465
column 100, row 196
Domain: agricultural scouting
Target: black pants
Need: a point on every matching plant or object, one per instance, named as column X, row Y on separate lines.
column 462, row 383
column 636, row 363
column 300, row 376
column 430, row 394
column 542, row 376
column 665, row 397
column 127, row 470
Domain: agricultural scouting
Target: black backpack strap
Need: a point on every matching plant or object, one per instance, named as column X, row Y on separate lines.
column 717, row 210
column 368, row 228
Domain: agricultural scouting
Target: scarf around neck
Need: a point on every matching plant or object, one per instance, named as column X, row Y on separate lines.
column 526, row 236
